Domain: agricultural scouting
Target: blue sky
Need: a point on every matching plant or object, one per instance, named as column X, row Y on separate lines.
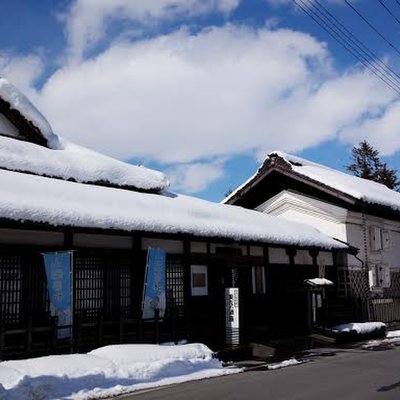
column 203, row 89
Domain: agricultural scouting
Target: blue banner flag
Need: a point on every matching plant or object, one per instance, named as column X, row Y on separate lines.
column 58, row 267
column 154, row 289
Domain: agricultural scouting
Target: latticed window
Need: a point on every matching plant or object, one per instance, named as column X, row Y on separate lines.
column 102, row 285
column 175, row 286
column 10, row 288
column 89, row 285
column 23, row 289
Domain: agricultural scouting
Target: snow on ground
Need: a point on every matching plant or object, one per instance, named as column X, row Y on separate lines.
column 362, row 328
column 60, row 203
column 286, row 363
column 107, row 371
column 393, row 334
column 392, row 339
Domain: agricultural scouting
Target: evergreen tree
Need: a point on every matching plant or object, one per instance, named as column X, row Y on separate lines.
column 367, row 164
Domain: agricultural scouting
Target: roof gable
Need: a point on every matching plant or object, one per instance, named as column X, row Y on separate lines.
column 24, row 117
column 339, row 184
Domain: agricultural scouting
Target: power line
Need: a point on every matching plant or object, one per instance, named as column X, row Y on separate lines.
column 314, row 13
column 390, row 12
column 398, row 2
column 359, row 44
column 373, row 27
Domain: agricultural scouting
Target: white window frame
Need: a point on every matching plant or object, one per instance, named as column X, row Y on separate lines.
column 199, row 290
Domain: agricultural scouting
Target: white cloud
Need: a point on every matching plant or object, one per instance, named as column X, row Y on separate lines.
column 23, row 71
column 382, row 130
column 87, row 20
column 185, row 97
column 194, row 178
column 223, row 91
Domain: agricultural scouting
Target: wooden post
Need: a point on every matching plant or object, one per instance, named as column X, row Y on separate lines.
column 121, row 329
column 173, row 323
column 29, row 336
column 2, row 334
column 157, row 326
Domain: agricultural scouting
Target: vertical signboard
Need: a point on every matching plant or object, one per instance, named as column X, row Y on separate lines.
column 154, row 284
column 58, row 267
column 232, row 332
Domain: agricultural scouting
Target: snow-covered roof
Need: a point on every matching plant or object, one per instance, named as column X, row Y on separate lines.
column 19, row 102
column 61, row 203
column 73, row 162
column 61, row 159
column 357, row 188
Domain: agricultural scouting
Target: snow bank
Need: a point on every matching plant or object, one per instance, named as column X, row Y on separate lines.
column 362, row 328
column 20, row 102
column 286, row 363
column 393, row 334
column 56, row 202
column 107, row 371
column 73, row 162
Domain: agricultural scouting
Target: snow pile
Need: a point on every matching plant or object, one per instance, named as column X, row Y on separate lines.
column 73, row 162
column 19, row 102
column 286, row 363
column 106, row 372
column 393, row 334
column 359, row 188
column 319, row 282
column 57, row 202
column 362, row 328
column 392, row 340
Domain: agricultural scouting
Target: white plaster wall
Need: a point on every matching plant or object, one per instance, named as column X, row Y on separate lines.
column 256, row 251
column 391, row 256
column 325, row 258
column 303, row 257
column 213, row 247
column 327, row 218
column 102, row 241
column 19, row 236
column 330, row 228
column 170, row 246
column 198, row 247
column 355, row 233
column 278, row 256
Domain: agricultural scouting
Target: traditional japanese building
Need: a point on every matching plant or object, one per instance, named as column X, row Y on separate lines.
column 361, row 212
column 57, row 196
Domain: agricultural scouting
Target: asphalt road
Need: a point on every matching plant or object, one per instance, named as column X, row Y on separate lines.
column 349, row 374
